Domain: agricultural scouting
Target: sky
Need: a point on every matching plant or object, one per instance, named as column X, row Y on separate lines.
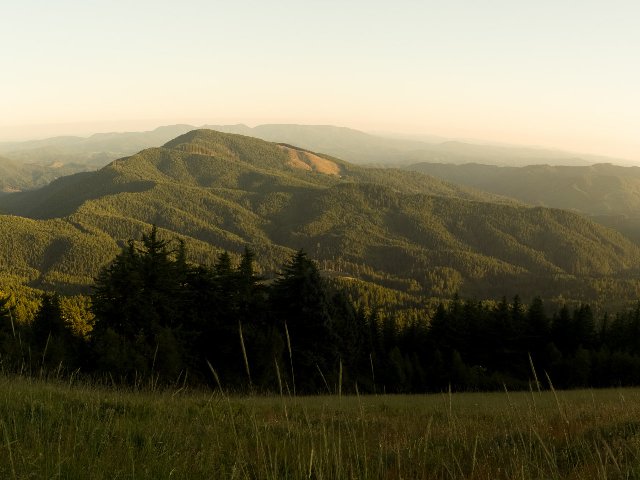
column 562, row 74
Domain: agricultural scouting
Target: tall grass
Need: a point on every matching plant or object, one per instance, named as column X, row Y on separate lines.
column 60, row 430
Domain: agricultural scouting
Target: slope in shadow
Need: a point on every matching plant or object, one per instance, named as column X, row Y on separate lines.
column 53, row 254
column 65, row 195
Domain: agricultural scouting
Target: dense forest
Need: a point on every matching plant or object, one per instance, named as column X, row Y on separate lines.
column 402, row 230
column 15, row 176
column 608, row 194
column 155, row 318
column 386, row 303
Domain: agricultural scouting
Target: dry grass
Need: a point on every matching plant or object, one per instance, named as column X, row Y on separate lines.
column 54, row 430
column 311, row 162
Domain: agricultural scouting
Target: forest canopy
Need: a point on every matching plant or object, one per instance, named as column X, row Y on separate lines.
column 155, row 317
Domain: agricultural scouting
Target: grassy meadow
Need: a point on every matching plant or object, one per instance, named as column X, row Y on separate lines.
column 62, row 430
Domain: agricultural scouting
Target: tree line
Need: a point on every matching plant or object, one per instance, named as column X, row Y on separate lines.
column 162, row 319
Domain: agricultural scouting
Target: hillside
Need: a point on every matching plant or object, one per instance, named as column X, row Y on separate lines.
column 610, row 194
column 15, row 176
column 205, row 159
column 402, row 229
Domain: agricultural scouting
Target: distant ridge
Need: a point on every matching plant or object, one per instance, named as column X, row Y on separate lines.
column 342, row 142
column 16, row 176
column 609, row 193
column 96, row 150
column 363, row 148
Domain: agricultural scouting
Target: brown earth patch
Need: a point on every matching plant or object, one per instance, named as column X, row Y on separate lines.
column 310, row 161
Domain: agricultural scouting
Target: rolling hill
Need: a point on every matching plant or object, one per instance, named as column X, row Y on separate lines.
column 610, row 194
column 15, row 176
column 401, row 229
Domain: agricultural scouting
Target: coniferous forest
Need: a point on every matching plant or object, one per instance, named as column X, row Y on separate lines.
column 155, row 318
column 394, row 291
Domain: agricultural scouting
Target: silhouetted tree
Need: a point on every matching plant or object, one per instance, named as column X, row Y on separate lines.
column 52, row 339
column 299, row 300
column 138, row 302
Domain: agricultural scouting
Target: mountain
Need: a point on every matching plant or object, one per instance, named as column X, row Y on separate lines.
column 363, row 148
column 346, row 143
column 11, row 175
column 610, row 194
column 15, row 177
column 96, row 150
column 404, row 230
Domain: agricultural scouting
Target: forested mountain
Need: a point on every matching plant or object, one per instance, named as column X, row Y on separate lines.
column 404, row 230
column 33, row 164
column 15, row 176
column 610, row 194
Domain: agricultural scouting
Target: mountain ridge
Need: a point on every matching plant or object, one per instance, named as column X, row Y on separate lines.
column 349, row 144
column 221, row 191
column 608, row 193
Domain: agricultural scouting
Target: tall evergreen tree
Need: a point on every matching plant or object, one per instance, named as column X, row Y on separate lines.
column 10, row 352
column 299, row 300
column 138, row 303
column 52, row 337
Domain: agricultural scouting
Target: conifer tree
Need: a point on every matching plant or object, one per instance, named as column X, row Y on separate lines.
column 138, row 303
column 299, row 299
column 52, row 339
column 10, row 353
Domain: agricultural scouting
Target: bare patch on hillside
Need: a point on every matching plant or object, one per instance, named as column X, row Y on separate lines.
column 311, row 162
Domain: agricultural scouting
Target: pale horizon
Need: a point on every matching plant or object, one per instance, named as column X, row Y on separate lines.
column 544, row 75
column 26, row 133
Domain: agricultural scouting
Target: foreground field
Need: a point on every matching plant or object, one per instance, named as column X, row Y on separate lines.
column 55, row 430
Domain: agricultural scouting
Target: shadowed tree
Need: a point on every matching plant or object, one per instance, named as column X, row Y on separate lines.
column 138, row 302
column 300, row 300
column 51, row 336
column 10, row 352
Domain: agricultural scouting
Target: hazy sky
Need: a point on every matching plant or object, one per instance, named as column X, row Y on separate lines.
column 558, row 73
